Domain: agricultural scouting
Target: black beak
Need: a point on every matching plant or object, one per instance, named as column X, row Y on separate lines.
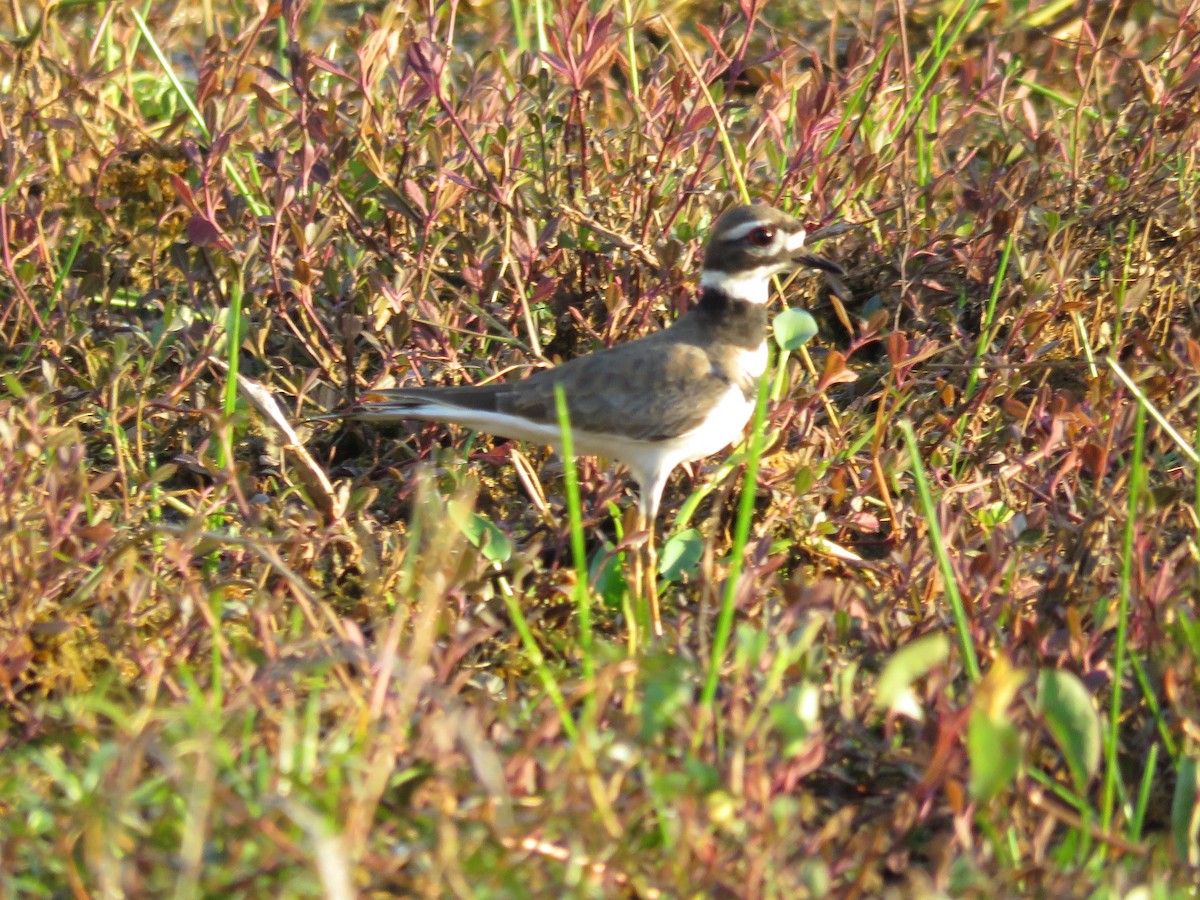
column 813, row 261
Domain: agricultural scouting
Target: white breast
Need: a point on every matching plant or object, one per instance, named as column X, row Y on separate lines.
column 754, row 362
column 720, row 428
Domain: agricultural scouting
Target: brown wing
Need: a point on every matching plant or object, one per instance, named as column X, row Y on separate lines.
column 654, row 388
column 647, row 390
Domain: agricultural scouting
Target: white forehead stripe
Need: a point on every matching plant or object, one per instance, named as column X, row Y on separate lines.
column 796, row 241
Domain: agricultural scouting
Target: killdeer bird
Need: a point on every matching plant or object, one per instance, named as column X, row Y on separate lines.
column 675, row 396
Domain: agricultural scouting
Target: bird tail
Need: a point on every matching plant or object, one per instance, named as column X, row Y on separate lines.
column 382, row 406
column 434, row 403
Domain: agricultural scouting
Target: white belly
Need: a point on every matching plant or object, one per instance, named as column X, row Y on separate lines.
column 723, row 426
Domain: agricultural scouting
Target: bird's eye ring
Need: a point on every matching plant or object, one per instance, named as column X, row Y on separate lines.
column 763, row 236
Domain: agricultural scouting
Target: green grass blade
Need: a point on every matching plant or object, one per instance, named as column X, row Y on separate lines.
column 929, row 508
column 1137, row 477
column 741, row 536
column 583, row 608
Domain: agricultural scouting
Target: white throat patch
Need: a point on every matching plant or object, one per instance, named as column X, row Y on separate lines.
column 751, row 286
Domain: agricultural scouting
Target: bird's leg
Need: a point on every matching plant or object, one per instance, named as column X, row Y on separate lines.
column 651, row 493
column 637, row 580
column 651, row 586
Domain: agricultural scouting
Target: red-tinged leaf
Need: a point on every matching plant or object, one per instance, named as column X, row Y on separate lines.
column 864, row 521
column 473, row 278
column 597, row 52
column 836, row 371
column 220, row 144
column 521, row 249
column 599, row 61
column 413, row 191
column 600, row 30
column 329, row 66
column 876, row 322
column 846, row 376
column 1034, row 322
column 459, row 180
column 556, row 64
column 983, row 566
column 265, row 98
column 1193, row 352
column 307, row 158
column 925, row 350
column 1095, row 459
column 712, row 40
column 15, row 657
column 274, row 73
column 99, row 533
column 1031, row 116
column 201, row 232
column 699, row 119
column 543, row 290
column 447, row 197
column 897, row 348
column 1046, row 142
column 426, row 62
column 102, row 482
column 1015, row 408
column 1171, row 686
column 183, row 193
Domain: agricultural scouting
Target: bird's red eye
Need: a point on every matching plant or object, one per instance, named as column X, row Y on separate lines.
column 762, row 236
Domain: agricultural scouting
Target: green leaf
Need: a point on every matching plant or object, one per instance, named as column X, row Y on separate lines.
column 1185, row 813
column 893, row 690
column 701, row 776
column 668, row 688
column 993, row 741
column 1073, row 722
column 484, row 535
column 994, row 749
column 14, row 387
column 680, row 555
column 690, row 780
column 793, row 328
column 750, row 643
column 608, row 576
column 797, row 716
column 814, row 875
